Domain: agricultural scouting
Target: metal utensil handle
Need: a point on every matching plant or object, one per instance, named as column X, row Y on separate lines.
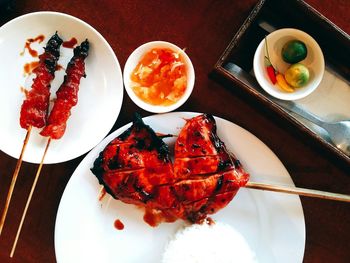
column 306, row 115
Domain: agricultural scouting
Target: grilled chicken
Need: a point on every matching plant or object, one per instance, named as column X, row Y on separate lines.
column 136, row 168
column 134, row 164
column 208, row 175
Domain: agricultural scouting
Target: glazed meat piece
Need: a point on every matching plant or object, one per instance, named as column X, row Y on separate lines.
column 35, row 107
column 67, row 94
column 134, row 164
column 135, row 168
column 209, row 174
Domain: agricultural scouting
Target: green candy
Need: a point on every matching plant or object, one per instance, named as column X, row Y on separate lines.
column 294, row 51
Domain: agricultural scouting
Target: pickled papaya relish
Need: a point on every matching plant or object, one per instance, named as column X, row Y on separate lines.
column 160, row 78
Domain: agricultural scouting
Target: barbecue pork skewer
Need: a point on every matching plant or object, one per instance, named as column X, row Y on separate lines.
column 35, row 106
column 67, row 97
column 67, row 94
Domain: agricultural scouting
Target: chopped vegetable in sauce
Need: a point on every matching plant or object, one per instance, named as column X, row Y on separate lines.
column 160, row 77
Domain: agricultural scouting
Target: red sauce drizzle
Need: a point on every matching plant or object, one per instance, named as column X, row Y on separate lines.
column 29, row 67
column 59, row 67
column 151, row 218
column 118, row 224
column 25, row 91
column 154, row 218
column 70, row 43
column 29, row 41
column 102, row 194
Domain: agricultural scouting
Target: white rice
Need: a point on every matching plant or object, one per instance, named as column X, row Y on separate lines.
column 219, row 243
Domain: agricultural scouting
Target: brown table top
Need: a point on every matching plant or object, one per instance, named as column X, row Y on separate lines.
column 205, row 28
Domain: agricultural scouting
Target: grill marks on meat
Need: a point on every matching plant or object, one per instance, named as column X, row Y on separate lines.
column 210, row 174
column 35, row 107
column 135, row 168
column 134, row 164
column 67, row 94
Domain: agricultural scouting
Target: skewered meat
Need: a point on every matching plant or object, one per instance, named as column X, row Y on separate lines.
column 35, row 107
column 135, row 168
column 67, row 94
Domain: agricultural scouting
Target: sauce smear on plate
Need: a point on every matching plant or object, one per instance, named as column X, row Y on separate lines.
column 24, row 91
column 70, row 43
column 29, row 41
column 29, row 67
column 160, row 78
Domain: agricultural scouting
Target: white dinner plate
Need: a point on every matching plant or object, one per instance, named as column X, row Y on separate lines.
column 100, row 94
column 272, row 223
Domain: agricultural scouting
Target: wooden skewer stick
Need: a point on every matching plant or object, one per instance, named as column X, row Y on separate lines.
column 108, row 202
column 29, row 199
column 14, row 179
column 299, row 191
column 101, row 193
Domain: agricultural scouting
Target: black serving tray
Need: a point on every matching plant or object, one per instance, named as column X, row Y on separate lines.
column 235, row 64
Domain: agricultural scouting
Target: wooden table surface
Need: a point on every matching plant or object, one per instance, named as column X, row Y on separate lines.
column 205, row 28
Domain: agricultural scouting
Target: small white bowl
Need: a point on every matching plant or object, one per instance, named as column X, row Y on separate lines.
column 314, row 62
column 134, row 59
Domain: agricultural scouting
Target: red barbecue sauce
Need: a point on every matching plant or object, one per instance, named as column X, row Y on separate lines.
column 154, row 218
column 151, row 219
column 70, row 43
column 29, row 41
column 25, row 91
column 59, row 67
column 29, row 67
column 118, row 224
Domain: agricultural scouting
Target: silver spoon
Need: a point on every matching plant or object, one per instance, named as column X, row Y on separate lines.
column 339, row 132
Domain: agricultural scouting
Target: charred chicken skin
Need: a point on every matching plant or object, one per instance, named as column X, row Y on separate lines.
column 134, row 164
column 136, row 168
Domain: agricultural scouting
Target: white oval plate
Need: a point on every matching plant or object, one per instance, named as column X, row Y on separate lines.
column 272, row 223
column 100, row 94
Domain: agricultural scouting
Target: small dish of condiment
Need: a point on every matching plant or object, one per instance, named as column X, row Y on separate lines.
column 289, row 64
column 159, row 76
